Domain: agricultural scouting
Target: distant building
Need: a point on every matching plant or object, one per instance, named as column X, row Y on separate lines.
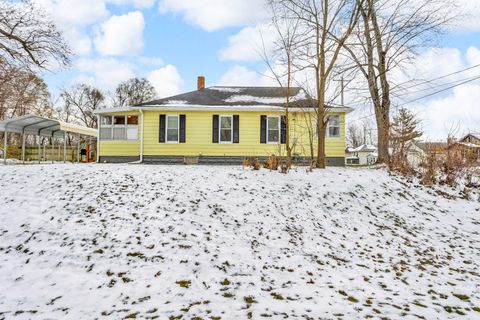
column 468, row 148
column 363, row 155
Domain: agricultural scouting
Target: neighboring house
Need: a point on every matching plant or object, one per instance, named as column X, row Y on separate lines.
column 468, row 148
column 363, row 155
column 217, row 125
column 428, row 148
column 415, row 154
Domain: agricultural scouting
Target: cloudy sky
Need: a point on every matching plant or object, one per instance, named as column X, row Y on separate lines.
column 171, row 42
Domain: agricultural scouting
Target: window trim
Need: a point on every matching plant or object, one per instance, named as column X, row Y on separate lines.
column 178, row 127
column 220, row 129
column 113, row 126
column 339, row 127
column 279, row 130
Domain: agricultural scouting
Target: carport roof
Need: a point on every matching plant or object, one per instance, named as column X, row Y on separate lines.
column 40, row 126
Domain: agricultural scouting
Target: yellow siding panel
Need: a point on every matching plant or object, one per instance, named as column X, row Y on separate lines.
column 122, row 148
column 199, row 137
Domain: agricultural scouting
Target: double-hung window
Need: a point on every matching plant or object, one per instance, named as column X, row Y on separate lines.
column 172, row 129
column 333, row 130
column 273, row 129
column 226, row 129
column 119, row 127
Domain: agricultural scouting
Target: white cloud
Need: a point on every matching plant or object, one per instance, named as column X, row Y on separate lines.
column 458, row 111
column 241, row 76
column 249, row 44
column 136, row 3
column 167, row 81
column 75, row 12
column 121, row 35
column 105, row 73
column 216, row 14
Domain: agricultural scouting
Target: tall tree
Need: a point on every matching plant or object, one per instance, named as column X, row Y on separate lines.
column 28, row 37
column 328, row 24
column 387, row 36
column 281, row 59
column 21, row 92
column 85, row 99
column 134, row 91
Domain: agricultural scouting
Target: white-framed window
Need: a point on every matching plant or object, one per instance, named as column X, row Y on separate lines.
column 119, row 127
column 273, row 129
column 225, row 129
column 172, row 128
column 333, row 129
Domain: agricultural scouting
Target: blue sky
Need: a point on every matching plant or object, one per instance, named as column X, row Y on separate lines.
column 171, row 42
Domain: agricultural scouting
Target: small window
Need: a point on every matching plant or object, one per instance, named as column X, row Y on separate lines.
column 132, row 120
column 226, row 128
column 273, row 129
column 106, row 121
column 333, row 129
column 172, row 128
column 119, row 127
column 119, row 120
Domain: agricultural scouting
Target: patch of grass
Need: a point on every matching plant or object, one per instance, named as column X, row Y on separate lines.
column 184, row 283
column 462, row 297
column 477, row 309
column 228, row 295
column 249, row 300
column 225, row 282
column 277, row 296
column 352, row 299
column 343, row 293
column 99, row 251
column 131, row 316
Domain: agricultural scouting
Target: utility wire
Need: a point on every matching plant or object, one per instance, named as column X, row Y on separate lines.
column 423, row 97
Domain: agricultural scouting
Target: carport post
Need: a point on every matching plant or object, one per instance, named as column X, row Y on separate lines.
column 64, row 147
column 39, row 138
column 23, row 147
column 53, row 149
column 5, row 146
column 78, row 149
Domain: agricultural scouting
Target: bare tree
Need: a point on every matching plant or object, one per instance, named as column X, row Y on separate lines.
column 134, row 91
column 281, row 60
column 387, row 36
column 28, row 38
column 85, row 99
column 328, row 24
column 354, row 135
column 21, row 93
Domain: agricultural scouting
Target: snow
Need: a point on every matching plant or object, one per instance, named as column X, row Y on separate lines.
column 227, row 89
column 176, row 102
column 267, row 100
column 111, row 241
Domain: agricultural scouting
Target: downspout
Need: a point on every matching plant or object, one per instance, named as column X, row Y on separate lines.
column 141, row 137
column 98, row 139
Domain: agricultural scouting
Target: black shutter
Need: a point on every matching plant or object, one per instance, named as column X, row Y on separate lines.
column 215, row 129
column 283, row 131
column 161, row 133
column 182, row 128
column 236, row 128
column 263, row 129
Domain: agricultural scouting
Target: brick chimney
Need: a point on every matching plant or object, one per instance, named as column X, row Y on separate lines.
column 200, row 83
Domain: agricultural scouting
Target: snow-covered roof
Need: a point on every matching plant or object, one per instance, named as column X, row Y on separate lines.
column 40, row 126
column 362, row 148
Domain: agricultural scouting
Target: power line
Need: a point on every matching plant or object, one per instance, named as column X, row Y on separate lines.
column 434, row 79
column 423, row 97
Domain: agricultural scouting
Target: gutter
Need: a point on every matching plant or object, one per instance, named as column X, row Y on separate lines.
column 141, row 136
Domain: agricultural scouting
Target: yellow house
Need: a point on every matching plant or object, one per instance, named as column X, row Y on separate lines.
column 218, row 125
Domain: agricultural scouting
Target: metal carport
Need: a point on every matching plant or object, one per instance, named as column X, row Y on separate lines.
column 42, row 127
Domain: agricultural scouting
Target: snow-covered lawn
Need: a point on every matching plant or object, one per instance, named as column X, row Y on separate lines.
column 180, row 242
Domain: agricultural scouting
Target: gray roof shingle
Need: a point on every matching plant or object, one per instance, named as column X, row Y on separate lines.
column 236, row 96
